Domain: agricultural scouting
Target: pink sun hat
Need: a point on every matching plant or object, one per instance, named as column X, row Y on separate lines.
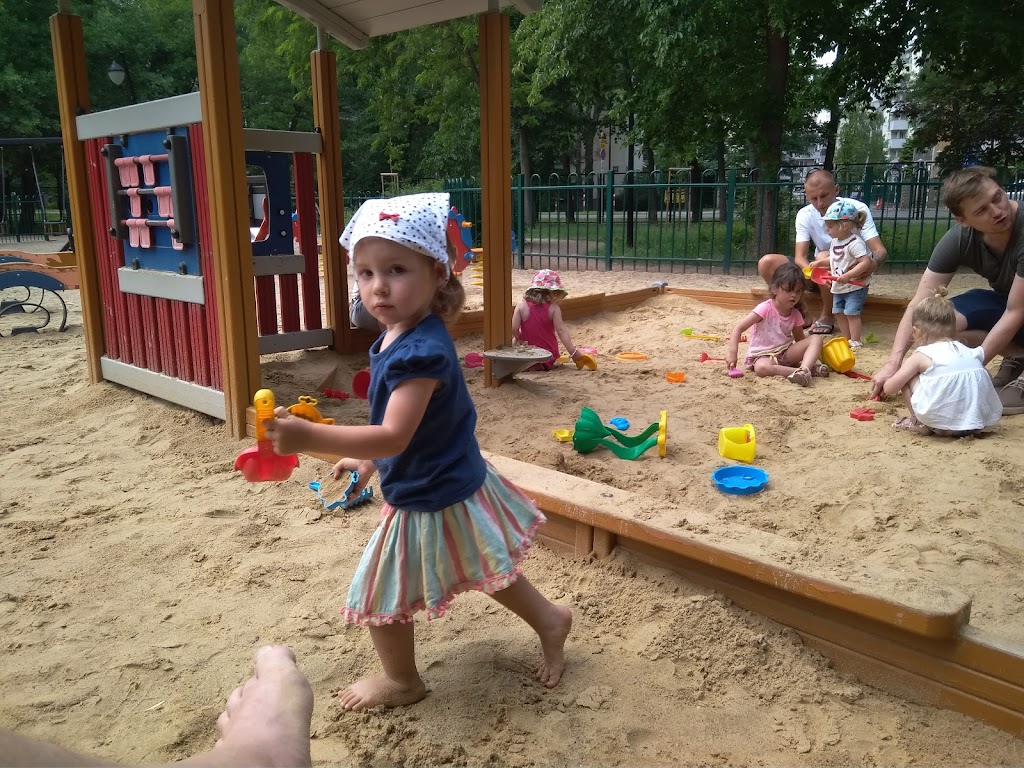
column 547, row 280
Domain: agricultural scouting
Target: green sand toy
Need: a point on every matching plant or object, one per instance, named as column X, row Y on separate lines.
column 590, row 432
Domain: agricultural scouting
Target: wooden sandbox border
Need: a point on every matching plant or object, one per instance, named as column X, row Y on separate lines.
column 882, row 638
column 923, row 653
column 883, row 309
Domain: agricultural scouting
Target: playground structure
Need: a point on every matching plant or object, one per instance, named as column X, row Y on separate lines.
column 918, row 645
column 30, row 288
column 177, row 301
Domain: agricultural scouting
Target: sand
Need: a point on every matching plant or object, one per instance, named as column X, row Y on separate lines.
column 140, row 572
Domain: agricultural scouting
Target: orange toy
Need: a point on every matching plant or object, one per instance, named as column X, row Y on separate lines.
column 260, row 463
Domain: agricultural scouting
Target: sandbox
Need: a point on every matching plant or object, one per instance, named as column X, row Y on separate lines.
column 900, row 627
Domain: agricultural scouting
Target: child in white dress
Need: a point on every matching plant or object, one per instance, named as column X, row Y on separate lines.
column 944, row 383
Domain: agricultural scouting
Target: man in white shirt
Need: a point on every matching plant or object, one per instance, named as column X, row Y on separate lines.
column 821, row 191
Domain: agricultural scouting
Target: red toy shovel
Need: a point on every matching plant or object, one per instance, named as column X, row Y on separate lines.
column 705, row 357
column 822, row 276
column 260, row 462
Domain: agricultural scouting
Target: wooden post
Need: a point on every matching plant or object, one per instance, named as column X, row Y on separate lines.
column 322, row 64
column 73, row 100
column 220, row 89
column 495, row 175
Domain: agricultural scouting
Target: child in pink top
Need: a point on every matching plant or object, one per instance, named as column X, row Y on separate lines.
column 778, row 346
column 538, row 318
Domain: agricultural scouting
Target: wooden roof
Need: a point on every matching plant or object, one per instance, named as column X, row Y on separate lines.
column 354, row 22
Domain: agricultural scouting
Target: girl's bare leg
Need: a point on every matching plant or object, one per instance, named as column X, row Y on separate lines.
column 855, row 327
column 808, row 349
column 400, row 682
column 551, row 623
column 844, row 324
column 764, row 366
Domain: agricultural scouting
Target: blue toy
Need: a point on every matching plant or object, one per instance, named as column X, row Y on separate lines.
column 620, row 423
column 344, row 502
column 740, row 480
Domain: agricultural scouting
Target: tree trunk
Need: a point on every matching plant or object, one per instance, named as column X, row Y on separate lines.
column 722, row 191
column 831, row 134
column 529, row 209
column 570, row 194
column 588, row 197
column 770, row 147
column 696, row 201
column 652, row 192
column 627, row 198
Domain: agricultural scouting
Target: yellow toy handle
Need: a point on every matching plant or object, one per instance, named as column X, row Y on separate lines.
column 263, row 402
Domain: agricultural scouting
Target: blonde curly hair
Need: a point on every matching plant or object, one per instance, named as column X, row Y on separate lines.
column 935, row 316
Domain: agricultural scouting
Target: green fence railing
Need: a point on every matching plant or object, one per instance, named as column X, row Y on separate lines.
column 668, row 223
column 36, row 217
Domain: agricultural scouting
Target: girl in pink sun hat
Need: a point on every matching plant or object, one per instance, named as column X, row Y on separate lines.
column 538, row 318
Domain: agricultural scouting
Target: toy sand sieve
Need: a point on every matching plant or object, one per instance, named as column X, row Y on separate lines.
column 836, row 354
column 508, row 360
column 737, row 443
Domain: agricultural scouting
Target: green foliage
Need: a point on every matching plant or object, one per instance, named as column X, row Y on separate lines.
column 970, row 89
column 684, row 78
column 861, row 140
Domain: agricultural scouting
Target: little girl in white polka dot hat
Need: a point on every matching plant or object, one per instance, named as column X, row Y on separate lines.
column 538, row 319
column 450, row 523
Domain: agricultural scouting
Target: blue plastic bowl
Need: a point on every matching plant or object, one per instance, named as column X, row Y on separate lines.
column 740, row 480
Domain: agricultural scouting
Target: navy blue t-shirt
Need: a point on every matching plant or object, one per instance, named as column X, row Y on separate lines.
column 442, row 464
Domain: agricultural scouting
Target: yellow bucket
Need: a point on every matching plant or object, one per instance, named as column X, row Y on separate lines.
column 836, row 354
column 737, row 443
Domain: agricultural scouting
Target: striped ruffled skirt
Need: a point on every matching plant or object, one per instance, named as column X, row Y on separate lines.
column 419, row 561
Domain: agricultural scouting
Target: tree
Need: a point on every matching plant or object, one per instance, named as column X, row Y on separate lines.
column 861, row 140
column 969, row 90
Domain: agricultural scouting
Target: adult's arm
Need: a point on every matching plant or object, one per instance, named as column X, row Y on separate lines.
column 1007, row 326
column 905, row 332
column 800, row 253
column 879, row 254
column 869, row 233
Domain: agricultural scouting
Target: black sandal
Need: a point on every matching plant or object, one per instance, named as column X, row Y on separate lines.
column 819, row 328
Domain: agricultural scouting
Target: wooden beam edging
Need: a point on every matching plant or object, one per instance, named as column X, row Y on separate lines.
column 572, row 308
column 955, row 667
column 918, row 648
column 885, row 309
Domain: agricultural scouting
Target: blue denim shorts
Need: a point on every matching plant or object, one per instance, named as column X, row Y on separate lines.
column 983, row 308
column 849, row 303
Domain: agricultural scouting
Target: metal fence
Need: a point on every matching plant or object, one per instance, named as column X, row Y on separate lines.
column 37, row 217
column 666, row 222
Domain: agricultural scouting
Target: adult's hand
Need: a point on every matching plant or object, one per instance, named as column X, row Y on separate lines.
column 879, row 379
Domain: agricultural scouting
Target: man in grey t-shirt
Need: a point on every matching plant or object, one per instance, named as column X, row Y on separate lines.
column 988, row 238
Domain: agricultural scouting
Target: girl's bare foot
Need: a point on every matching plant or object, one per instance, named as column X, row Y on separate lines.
column 552, row 644
column 910, row 424
column 380, row 690
column 266, row 720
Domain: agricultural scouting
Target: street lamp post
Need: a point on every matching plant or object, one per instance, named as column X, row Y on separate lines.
column 118, row 74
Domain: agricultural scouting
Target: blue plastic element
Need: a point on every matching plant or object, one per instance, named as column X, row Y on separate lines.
column 619, row 422
column 740, row 480
column 345, row 502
